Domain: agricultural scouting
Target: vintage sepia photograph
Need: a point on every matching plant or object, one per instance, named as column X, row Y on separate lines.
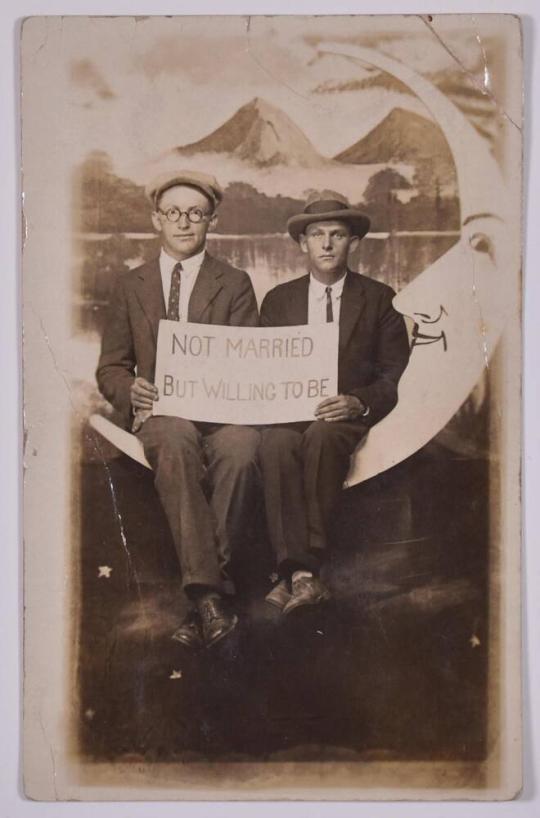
column 272, row 354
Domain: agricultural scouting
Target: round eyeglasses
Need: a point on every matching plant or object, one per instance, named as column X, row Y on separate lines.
column 194, row 214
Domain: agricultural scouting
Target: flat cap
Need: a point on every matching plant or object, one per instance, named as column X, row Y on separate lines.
column 203, row 181
column 327, row 205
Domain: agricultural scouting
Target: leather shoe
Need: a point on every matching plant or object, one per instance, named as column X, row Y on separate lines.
column 189, row 633
column 306, row 590
column 280, row 595
column 216, row 621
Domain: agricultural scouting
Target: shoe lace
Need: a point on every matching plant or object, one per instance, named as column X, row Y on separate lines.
column 210, row 609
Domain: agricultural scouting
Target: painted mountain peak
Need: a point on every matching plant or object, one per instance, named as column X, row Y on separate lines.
column 262, row 135
column 405, row 136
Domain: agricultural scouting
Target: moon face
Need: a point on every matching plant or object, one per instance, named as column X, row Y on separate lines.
column 460, row 303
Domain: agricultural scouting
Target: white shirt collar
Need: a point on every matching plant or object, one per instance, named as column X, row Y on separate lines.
column 319, row 289
column 190, row 266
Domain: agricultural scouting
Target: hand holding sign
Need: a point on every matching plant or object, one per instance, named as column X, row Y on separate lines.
column 244, row 375
column 143, row 394
column 340, row 407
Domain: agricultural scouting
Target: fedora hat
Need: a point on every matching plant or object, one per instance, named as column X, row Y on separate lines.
column 202, row 181
column 328, row 205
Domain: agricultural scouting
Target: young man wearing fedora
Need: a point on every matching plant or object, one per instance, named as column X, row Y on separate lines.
column 185, row 283
column 304, row 464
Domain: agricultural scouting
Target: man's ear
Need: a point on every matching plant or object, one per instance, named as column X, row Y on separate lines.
column 355, row 241
column 212, row 221
column 156, row 221
column 302, row 242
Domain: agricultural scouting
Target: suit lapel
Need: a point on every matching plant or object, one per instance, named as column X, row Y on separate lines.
column 298, row 305
column 149, row 289
column 205, row 289
column 353, row 301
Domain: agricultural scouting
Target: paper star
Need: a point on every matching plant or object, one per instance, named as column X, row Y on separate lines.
column 176, row 674
column 104, row 571
column 474, row 641
column 89, row 714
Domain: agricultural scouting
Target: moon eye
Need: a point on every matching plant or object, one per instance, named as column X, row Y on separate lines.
column 481, row 243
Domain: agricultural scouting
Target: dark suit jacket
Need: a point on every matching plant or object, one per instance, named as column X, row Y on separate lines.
column 373, row 341
column 221, row 295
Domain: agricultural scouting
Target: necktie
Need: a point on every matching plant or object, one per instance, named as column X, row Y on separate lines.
column 329, row 310
column 173, row 309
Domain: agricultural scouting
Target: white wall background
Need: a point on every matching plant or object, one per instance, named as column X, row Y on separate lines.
column 12, row 803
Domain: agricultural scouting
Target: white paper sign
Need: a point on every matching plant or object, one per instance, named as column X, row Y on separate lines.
column 245, row 375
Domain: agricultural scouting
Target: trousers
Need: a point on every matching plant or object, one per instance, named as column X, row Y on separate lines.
column 207, row 479
column 303, row 468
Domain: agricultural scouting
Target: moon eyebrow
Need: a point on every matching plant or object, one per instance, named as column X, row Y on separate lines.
column 482, row 216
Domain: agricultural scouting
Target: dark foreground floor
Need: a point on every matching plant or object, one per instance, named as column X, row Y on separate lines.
column 395, row 667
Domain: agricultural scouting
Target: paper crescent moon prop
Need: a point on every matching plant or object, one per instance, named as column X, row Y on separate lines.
column 460, row 303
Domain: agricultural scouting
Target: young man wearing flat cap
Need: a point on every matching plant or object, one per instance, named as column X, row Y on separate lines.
column 185, row 283
column 304, row 464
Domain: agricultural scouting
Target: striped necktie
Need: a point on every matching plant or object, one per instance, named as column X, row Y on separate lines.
column 329, row 310
column 173, row 309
